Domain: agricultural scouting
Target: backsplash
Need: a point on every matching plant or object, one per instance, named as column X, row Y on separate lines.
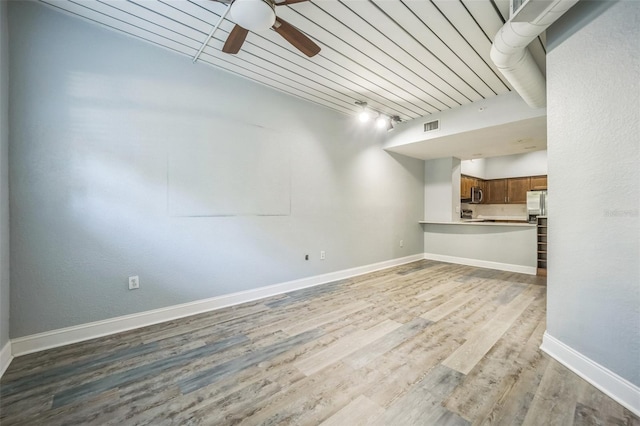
column 496, row 209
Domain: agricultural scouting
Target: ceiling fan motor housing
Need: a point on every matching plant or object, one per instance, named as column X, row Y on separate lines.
column 254, row 15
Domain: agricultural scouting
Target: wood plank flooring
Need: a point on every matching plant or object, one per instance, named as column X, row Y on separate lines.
column 427, row 343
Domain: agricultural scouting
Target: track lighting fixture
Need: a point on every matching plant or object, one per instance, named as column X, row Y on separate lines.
column 383, row 121
column 364, row 115
column 392, row 122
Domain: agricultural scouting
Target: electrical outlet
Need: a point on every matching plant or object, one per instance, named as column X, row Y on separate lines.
column 322, row 255
column 134, row 282
column 401, row 243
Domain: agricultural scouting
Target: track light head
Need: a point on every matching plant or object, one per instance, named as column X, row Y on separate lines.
column 393, row 120
column 364, row 115
column 382, row 121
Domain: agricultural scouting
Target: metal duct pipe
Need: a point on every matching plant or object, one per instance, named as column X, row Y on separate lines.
column 509, row 50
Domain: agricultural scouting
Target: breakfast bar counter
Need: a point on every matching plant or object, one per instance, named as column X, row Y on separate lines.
column 480, row 222
column 508, row 246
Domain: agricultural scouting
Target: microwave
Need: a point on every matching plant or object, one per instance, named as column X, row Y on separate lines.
column 473, row 197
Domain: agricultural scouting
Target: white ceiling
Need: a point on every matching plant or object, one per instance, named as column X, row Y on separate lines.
column 407, row 58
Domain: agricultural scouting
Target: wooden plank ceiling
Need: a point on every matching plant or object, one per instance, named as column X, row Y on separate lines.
column 407, row 58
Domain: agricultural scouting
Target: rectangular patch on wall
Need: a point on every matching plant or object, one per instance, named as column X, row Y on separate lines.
column 238, row 169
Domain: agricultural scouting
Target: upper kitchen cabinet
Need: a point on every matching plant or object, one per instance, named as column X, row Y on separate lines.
column 465, row 186
column 506, row 179
column 466, row 183
column 496, row 191
column 510, row 191
column 538, row 183
column 517, row 190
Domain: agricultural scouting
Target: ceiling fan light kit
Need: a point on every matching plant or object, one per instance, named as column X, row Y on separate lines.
column 253, row 15
column 260, row 15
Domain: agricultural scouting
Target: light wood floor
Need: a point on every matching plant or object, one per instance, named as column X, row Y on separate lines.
column 426, row 343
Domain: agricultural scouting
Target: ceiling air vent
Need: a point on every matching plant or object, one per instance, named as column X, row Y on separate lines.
column 431, row 126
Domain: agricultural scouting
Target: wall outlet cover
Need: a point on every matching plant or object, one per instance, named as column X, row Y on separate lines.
column 134, row 282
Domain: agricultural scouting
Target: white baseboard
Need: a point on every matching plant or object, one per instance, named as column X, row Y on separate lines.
column 620, row 390
column 64, row 336
column 529, row 270
column 5, row 357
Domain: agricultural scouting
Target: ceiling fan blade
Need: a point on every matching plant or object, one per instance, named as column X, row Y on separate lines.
column 235, row 40
column 285, row 2
column 296, row 37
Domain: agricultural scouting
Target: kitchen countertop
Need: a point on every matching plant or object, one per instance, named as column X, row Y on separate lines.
column 473, row 222
column 520, row 218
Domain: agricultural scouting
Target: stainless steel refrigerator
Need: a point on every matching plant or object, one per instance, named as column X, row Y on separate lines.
column 536, row 204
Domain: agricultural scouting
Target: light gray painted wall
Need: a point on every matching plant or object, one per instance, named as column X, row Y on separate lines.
column 4, row 179
column 94, row 115
column 442, row 189
column 506, row 166
column 500, row 244
column 475, row 167
column 518, row 165
column 593, row 72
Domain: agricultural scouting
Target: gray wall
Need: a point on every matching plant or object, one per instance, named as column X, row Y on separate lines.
column 442, row 189
column 4, row 179
column 504, row 245
column 527, row 164
column 593, row 72
column 95, row 118
column 506, row 166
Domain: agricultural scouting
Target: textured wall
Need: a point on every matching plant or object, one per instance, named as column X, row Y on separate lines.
column 593, row 72
column 4, row 179
column 94, row 118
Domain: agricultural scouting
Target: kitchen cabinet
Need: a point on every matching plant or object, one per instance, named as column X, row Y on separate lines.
column 508, row 191
column 503, row 191
column 465, row 186
column 466, row 183
column 517, row 190
column 496, row 191
column 538, row 183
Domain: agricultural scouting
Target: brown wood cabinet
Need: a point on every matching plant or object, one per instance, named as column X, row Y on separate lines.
column 517, row 190
column 465, row 186
column 502, row 191
column 538, row 182
column 496, row 191
column 466, row 183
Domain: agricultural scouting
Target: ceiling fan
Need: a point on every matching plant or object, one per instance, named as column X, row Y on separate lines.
column 260, row 15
